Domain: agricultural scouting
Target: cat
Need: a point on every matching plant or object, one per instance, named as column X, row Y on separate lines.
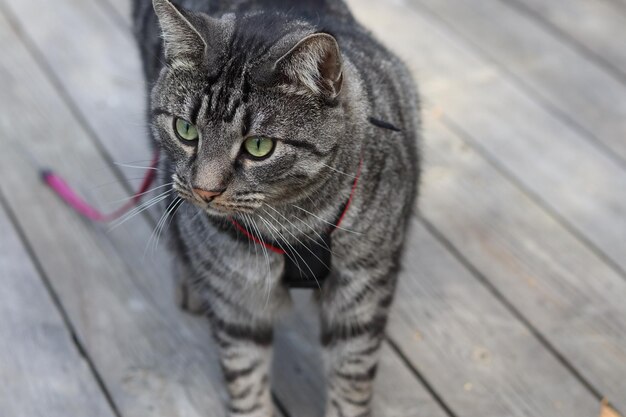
column 290, row 136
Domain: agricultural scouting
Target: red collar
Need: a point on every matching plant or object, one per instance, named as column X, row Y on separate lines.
column 280, row 251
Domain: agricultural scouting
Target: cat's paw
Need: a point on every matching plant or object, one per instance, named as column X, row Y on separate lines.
column 189, row 300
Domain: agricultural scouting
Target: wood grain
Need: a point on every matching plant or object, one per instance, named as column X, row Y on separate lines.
column 596, row 27
column 470, row 347
column 97, row 66
column 42, row 373
column 556, row 74
column 566, row 292
column 122, row 8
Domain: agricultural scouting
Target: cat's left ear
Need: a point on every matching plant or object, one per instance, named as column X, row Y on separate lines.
column 182, row 40
column 313, row 63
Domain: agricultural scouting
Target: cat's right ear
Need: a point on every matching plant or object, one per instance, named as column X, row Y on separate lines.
column 182, row 39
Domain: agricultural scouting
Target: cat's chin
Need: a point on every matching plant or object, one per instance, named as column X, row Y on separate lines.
column 212, row 212
column 219, row 212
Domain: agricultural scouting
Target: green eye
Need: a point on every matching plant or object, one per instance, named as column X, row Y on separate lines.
column 259, row 146
column 185, row 130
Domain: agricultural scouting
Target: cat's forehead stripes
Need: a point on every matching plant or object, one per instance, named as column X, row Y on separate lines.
column 222, row 99
column 229, row 86
column 227, row 90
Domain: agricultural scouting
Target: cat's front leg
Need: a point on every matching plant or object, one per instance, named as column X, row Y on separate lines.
column 245, row 359
column 354, row 314
column 241, row 317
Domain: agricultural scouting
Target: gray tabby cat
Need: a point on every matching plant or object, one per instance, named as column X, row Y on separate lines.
column 265, row 112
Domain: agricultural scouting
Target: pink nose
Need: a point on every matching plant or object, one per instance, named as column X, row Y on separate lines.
column 207, row 195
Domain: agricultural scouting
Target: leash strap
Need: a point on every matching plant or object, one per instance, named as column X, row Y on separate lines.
column 71, row 198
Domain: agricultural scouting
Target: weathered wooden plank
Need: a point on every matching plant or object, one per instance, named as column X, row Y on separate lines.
column 122, row 8
column 473, row 351
column 298, row 362
column 573, row 298
column 552, row 161
column 546, row 67
column 108, row 90
column 598, row 26
column 41, row 370
column 151, row 361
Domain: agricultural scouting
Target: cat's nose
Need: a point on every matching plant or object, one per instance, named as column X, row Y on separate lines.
column 207, row 195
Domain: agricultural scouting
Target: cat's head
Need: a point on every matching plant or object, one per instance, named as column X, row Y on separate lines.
column 251, row 109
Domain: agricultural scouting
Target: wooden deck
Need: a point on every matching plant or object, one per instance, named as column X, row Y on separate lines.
column 513, row 297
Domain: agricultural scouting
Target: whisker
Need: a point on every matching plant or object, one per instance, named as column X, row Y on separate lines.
column 275, row 239
column 121, row 200
column 299, row 241
column 294, row 251
column 137, row 161
column 321, row 239
column 166, row 224
column 158, row 226
column 137, row 166
column 256, row 251
column 268, row 275
column 263, row 248
column 122, row 181
column 338, row 171
column 333, row 225
column 140, row 208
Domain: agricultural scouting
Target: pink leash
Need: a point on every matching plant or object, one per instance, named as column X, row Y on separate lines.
column 65, row 192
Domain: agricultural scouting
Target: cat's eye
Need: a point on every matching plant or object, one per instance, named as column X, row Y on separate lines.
column 185, row 130
column 259, row 146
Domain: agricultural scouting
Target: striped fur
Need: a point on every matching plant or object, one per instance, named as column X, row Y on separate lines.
column 307, row 74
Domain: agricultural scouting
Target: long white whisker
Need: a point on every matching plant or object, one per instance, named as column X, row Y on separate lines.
column 121, row 200
column 275, row 239
column 294, row 251
column 268, row 283
column 136, row 166
column 146, row 203
column 321, row 239
column 299, row 241
column 338, row 171
column 333, row 225
column 256, row 251
column 166, row 224
column 158, row 225
column 263, row 248
column 142, row 207
column 122, row 181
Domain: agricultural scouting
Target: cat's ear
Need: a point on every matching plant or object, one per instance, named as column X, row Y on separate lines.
column 181, row 38
column 314, row 63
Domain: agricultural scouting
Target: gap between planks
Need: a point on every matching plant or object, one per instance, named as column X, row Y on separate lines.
column 523, row 85
column 6, row 214
column 616, row 71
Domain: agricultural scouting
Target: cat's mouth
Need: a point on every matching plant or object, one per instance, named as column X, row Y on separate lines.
column 218, row 206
